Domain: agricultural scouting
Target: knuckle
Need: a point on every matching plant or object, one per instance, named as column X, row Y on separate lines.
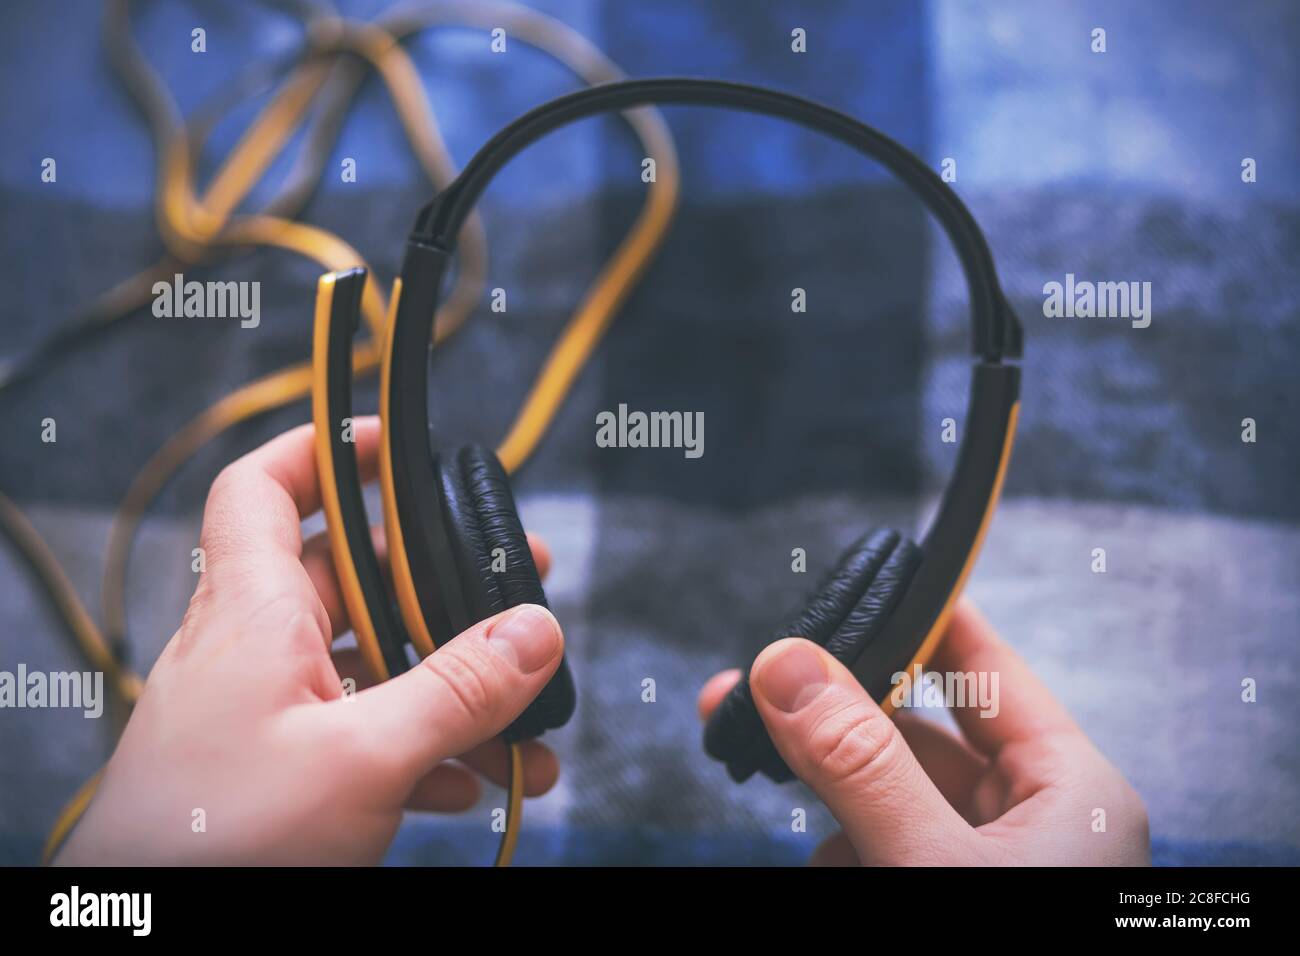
column 853, row 744
column 468, row 676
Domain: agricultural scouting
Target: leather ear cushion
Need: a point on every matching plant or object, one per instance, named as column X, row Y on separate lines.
column 484, row 532
column 844, row 614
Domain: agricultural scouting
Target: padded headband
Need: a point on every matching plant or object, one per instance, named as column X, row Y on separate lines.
column 954, row 537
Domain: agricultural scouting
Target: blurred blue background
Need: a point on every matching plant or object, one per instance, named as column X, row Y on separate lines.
column 1115, row 166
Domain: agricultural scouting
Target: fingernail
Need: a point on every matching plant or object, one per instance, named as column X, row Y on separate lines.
column 793, row 678
column 526, row 637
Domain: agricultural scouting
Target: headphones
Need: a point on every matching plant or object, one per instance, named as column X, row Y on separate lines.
column 450, row 516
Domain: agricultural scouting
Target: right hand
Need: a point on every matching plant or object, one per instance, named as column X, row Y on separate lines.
column 1022, row 787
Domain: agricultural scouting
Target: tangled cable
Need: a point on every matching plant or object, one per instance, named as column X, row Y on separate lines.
column 196, row 229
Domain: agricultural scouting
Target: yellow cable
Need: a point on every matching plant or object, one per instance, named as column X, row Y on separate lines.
column 567, row 356
column 178, row 213
column 64, row 595
column 68, row 817
column 514, row 808
column 186, row 220
column 615, row 282
column 191, row 226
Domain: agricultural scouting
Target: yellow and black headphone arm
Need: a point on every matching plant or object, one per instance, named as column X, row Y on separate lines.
column 379, row 634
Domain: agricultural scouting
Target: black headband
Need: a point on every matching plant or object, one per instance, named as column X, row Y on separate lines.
column 995, row 329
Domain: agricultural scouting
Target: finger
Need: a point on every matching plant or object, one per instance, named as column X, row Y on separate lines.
column 954, row 767
column 1023, row 708
column 835, row 851
column 839, row 742
column 711, row 694
column 463, row 694
column 446, row 788
column 492, row 760
column 318, row 559
column 257, row 503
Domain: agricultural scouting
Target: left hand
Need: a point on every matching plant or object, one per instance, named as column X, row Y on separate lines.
column 243, row 723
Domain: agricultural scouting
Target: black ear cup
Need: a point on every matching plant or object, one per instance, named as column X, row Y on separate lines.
column 844, row 614
column 496, row 566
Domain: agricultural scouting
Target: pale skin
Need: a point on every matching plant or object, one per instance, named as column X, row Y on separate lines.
column 244, row 715
column 1022, row 787
column 245, row 718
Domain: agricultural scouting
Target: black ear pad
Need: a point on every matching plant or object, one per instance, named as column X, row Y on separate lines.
column 483, row 530
column 844, row 614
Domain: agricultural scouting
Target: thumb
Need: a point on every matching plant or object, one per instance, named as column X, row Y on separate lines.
column 463, row 694
column 839, row 742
